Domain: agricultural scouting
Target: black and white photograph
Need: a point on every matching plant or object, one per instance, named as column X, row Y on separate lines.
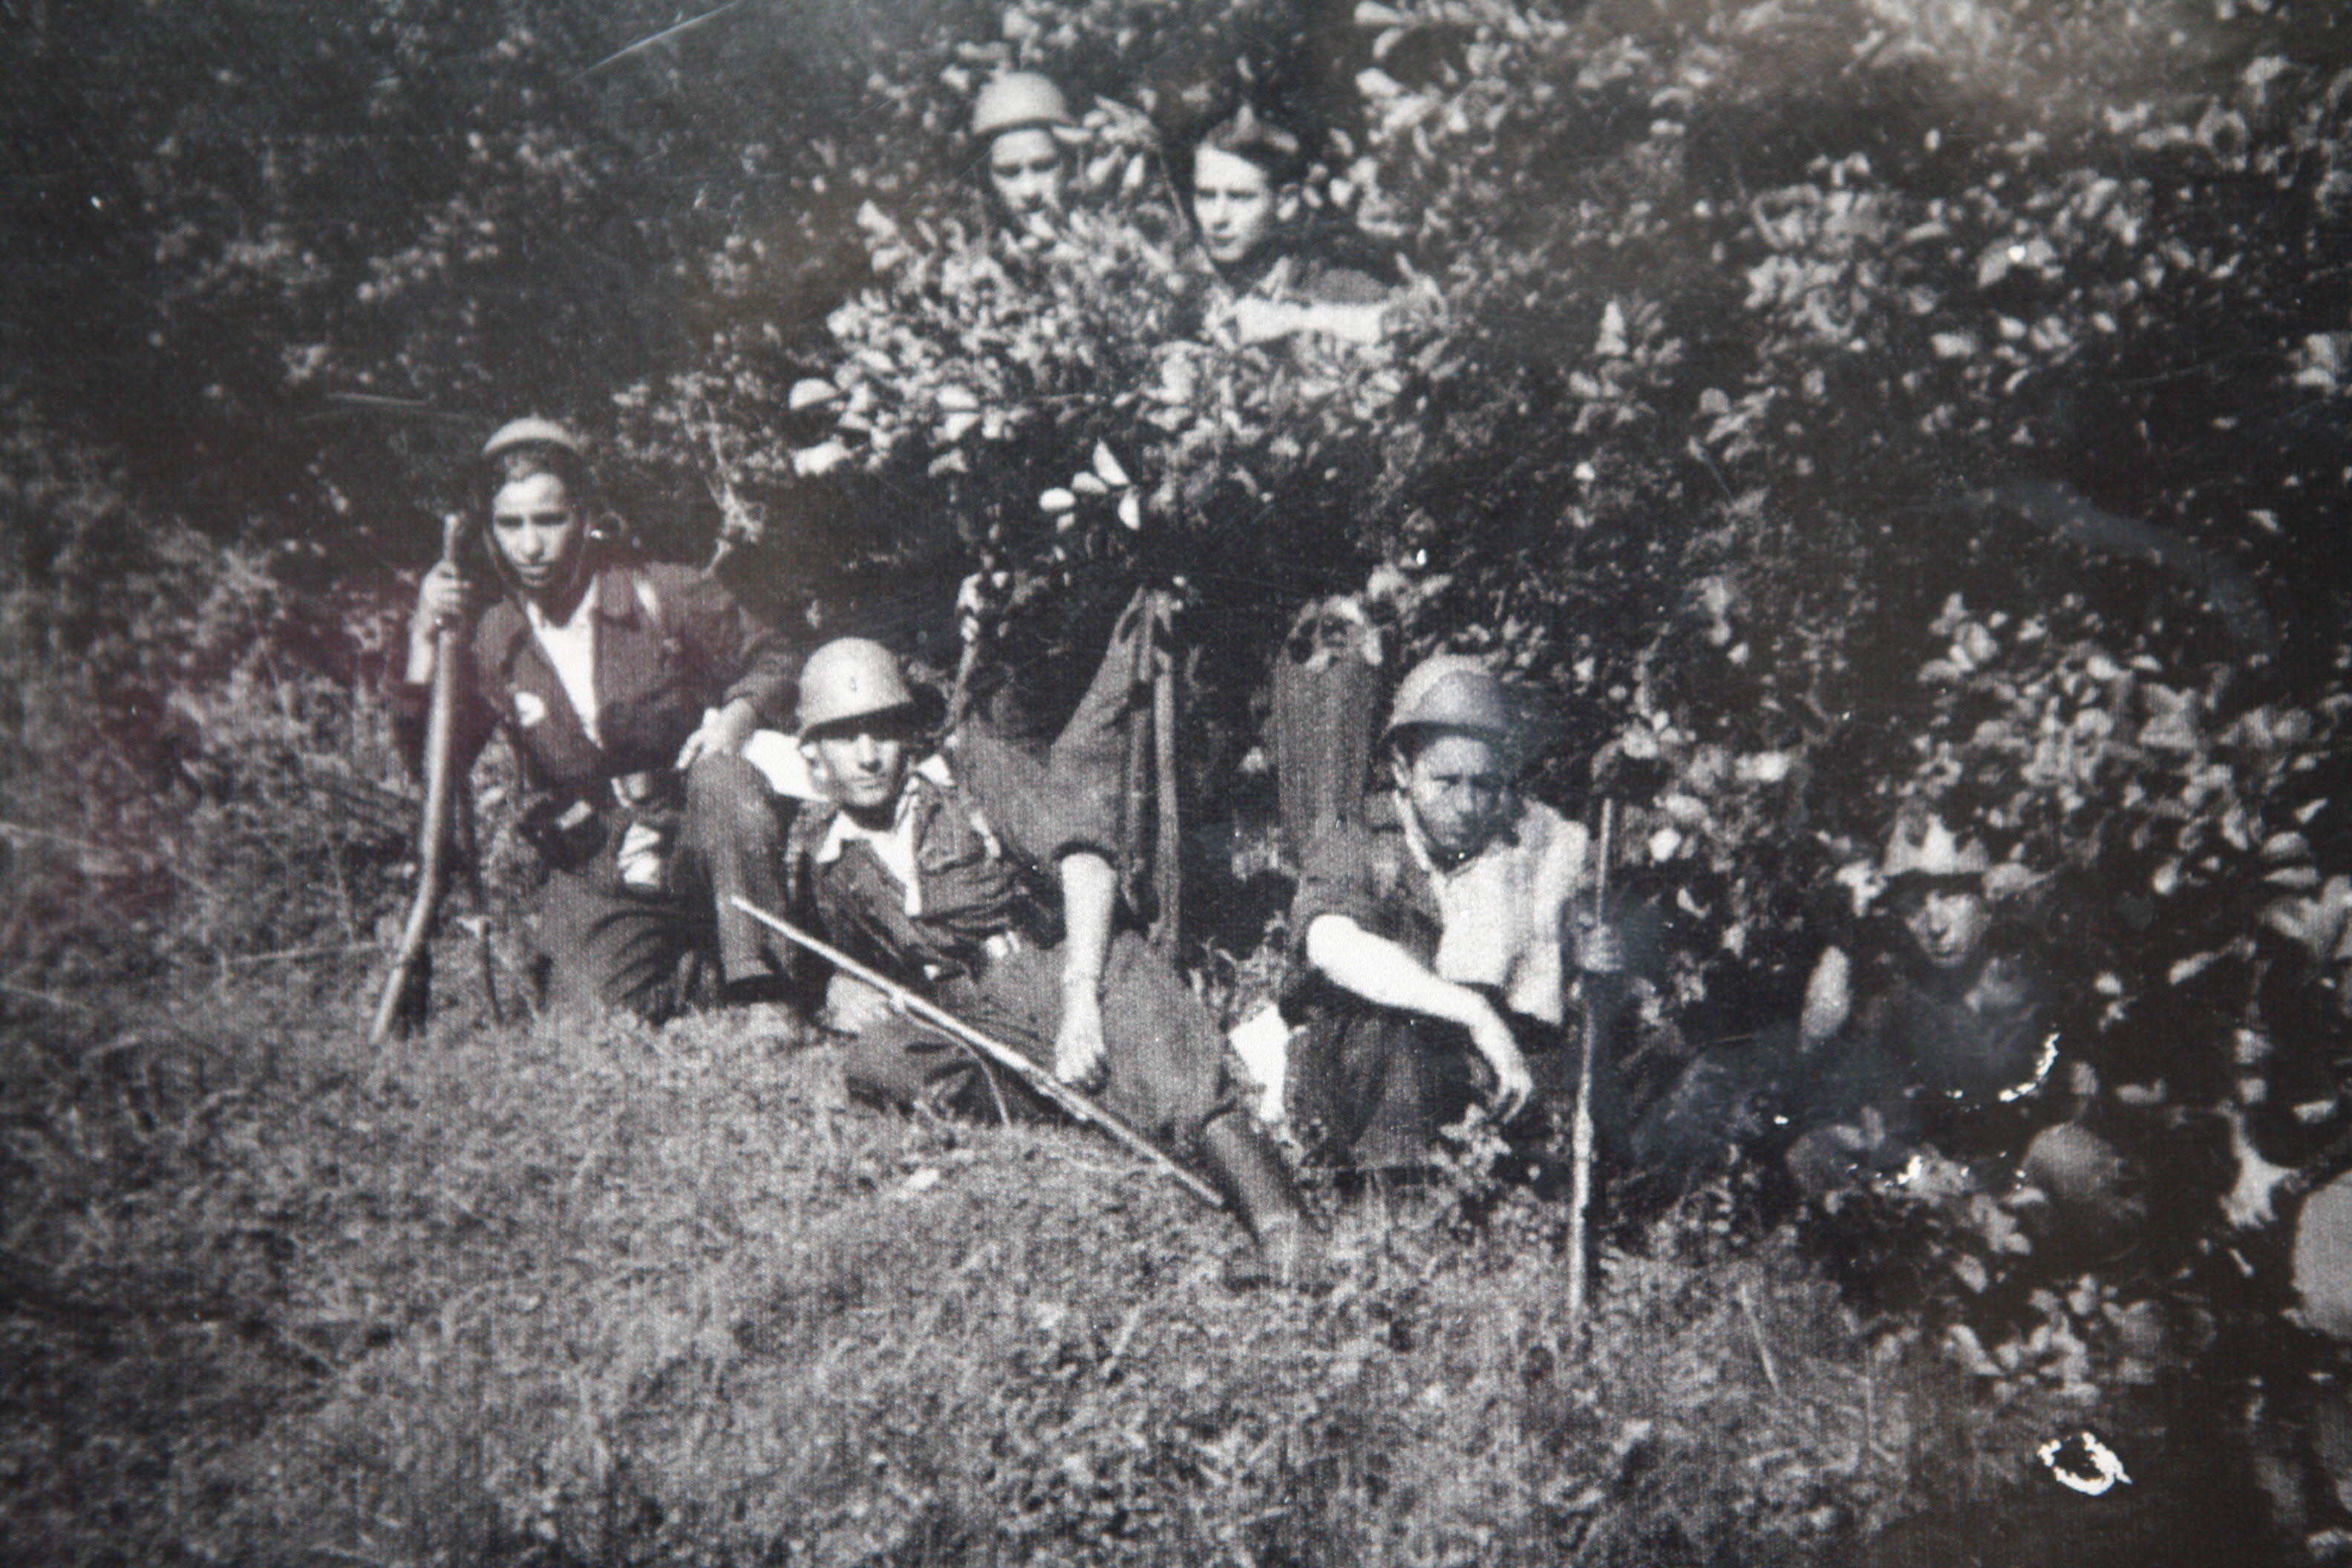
column 1252, row 784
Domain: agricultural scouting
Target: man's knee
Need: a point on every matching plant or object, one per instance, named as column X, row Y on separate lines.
column 720, row 779
column 726, row 794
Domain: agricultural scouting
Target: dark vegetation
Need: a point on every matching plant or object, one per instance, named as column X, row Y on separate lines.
column 1824, row 406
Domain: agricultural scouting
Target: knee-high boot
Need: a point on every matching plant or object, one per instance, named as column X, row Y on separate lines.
column 1246, row 1167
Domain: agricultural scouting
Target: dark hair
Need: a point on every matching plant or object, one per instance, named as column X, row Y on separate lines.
column 1251, row 137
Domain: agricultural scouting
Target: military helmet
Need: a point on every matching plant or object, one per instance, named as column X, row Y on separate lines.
column 531, row 431
column 851, row 678
column 1928, row 849
column 1016, row 101
column 1454, row 693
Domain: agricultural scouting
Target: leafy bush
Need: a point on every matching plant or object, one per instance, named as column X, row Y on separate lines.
column 182, row 735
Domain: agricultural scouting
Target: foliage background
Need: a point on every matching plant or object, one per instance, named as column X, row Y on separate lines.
column 1824, row 406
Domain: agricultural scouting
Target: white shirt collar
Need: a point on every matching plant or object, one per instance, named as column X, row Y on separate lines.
column 893, row 845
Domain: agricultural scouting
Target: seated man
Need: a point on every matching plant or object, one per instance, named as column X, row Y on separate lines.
column 627, row 691
column 1946, row 1045
column 1245, row 202
column 1433, row 925
column 983, row 879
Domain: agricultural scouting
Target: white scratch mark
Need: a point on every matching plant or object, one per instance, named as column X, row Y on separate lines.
column 2106, row 1470
column 2040, row 1071
column 671, row 32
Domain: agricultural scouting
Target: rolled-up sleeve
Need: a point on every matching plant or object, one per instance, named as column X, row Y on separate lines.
column 1335, row 877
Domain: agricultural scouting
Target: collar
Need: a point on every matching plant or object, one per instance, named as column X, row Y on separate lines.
column 842, row 830
column 1506, row 834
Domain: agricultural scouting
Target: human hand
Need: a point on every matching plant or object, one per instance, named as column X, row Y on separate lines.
column 444, row 598
column 1598, row 949
column 724, row 729
column 2253, row 1199
column 1080, row 1057
column 1514, row 1085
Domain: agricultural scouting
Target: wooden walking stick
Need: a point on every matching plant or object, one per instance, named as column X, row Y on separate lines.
column 1135, row 776
column 408, row 989
column 1167, row 873
column 1580, row 1138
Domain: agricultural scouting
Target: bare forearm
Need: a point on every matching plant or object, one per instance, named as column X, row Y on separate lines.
column 1089, row 892
column 1384, row 973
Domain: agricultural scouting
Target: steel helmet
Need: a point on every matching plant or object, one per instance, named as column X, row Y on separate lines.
column 531, row 431
column 1452, row 691
column 1016, row 101
column 1930, row 849
column 851, row 678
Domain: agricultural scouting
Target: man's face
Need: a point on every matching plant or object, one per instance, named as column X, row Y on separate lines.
column 1455, row 784
column 863, row 761
column 539, row 533
column 1025, row 170
column 1947, row 921
column 1234, row 203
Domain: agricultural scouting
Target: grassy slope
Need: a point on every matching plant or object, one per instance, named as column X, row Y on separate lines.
column 634, row 1297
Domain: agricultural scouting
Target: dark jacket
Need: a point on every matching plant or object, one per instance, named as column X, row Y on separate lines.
column 990, row 823
column 670, row 643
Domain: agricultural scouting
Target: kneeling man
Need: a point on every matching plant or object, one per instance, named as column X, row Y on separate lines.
column 983, row 879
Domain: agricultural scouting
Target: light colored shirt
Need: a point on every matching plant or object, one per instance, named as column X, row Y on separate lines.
column 571, row 646
column 1505, row 908
column 893, row 845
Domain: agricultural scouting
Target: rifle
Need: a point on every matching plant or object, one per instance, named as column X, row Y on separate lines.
column 408, row 989
column 1580, row 1138
column 1080, row 1107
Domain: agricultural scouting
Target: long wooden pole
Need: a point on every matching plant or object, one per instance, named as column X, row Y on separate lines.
column 408, row 989
column 1135, row 779
column 1080, row 1107
column 1168, row 872
column 1581, row 1135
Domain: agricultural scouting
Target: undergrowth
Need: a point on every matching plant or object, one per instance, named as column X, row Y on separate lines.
column 637, row 1296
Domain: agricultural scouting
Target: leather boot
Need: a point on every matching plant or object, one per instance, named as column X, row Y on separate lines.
column 1245, row 1165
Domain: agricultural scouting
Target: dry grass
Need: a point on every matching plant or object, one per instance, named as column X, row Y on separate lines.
column 628, row 1295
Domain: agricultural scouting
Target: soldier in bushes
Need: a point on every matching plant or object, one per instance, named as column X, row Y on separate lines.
column 1946, row 1045
column 627, row 691
column 1015, row 121
column 1435, row 925
column 985, row 878
column 1285, row 278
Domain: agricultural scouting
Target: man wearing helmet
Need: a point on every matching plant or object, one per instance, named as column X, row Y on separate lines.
column 1434, row 927
column 984, row 877
column 1946, row 1044
column 1015, row 121
column 627, row 690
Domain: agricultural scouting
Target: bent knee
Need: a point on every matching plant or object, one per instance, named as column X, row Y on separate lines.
column 721, row 777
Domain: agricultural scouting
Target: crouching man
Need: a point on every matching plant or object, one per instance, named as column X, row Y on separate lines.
column 627, row 690
column 1435, row 925
column 982, row 879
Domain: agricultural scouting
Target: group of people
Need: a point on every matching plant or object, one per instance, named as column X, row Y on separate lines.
column 1450, row 959
column 974, row 871
column 1449, row 955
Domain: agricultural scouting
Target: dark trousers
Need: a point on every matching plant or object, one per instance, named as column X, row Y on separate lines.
column 653, row 952
column 1372, row 1087
column 1167, row 1074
